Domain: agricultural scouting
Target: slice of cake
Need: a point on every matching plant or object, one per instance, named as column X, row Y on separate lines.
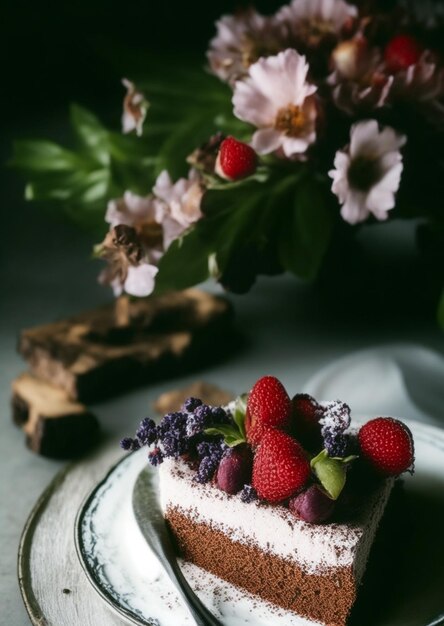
column 278, row 497
column 311, row 569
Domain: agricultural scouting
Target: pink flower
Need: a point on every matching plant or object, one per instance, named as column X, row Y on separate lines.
column 177, row 204
column 310, row 21
column 241, row 39
column 135, row 108
column 367, row 173
column 129, row 266
column 131, row 210
column 141, row 230
column 278, row 100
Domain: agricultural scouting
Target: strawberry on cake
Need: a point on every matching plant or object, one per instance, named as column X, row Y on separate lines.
column 278, row 496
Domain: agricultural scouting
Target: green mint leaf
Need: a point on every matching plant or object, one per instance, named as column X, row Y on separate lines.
column 306, row 229
column 240, row 409
column 231, row 434
column 330, row 472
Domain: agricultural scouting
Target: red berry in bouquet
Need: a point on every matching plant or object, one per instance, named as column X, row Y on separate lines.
column 280, row 467
column 268, row 406
column 236, row 160
column 401, row 52
column 387, row 445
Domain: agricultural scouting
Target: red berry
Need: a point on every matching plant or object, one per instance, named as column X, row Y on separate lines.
column 401, row 52
column 235, row 469
column 312, row 505
column 268, row 406
column 280, row 467
column 235, row 160
column 387, row 445
column 305, row 420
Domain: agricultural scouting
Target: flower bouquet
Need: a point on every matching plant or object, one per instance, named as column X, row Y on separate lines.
column 304, row 126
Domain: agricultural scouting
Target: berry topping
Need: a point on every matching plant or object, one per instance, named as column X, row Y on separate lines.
column 147, row 432
column 401, row 52
column 387, row 445
column 129, row 444
column 334, row 421
column 336, row 445
column 268, row 406
column 305, row 420
column 234, row 469
column 210, row 454
column 191, row 404
column 155, row 457
column 235, row 160
column 312, row 505
column 280, row 467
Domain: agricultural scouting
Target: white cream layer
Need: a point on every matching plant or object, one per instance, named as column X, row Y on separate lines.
column 273, row 528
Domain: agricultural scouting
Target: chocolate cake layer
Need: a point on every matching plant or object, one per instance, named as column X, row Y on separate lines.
column 326, row 598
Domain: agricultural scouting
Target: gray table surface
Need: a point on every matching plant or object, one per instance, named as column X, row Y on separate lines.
column 46, row 274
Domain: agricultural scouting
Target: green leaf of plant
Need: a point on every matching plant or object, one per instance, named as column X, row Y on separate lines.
column 306, row 230
column 40, row 156
column 184, row 264
column 330, row 472
column 91, row 133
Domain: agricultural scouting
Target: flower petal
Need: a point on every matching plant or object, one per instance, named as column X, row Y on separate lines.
column 140, row 280
column 363, row 137
column 266, row 140
column 354, row 209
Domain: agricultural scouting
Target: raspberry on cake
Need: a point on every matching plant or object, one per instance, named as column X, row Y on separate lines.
column 248, row 503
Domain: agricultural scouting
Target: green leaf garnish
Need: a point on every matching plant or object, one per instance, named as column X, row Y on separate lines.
column 331, row 472
column 230, row 434
column 233, row 434
column 240, row 408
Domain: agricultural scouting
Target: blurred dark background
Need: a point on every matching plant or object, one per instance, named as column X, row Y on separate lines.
column 56, row 52
column 62, row 51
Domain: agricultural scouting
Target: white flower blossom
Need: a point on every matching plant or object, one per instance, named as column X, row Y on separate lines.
column 178, row 204
column 241, row 40
column 312, row 20
column 367, row 173
column 135, row 108
column 141, row 230
column 278, row 100
column 130, row 210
